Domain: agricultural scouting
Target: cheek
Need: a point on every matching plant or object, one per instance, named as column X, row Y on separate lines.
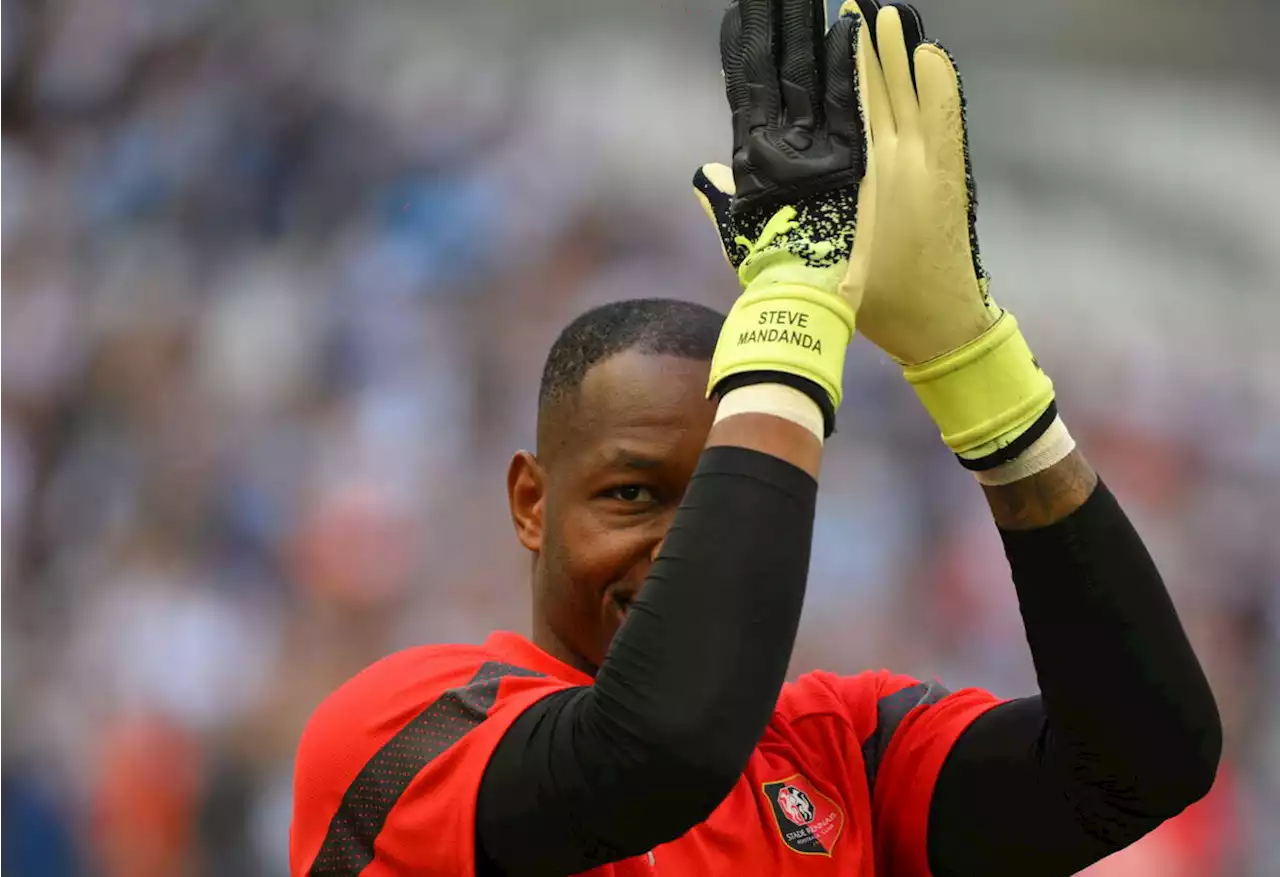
column 594, row 553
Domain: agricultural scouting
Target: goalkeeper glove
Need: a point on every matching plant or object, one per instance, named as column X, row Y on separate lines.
column 926, row 300
column 788, row 226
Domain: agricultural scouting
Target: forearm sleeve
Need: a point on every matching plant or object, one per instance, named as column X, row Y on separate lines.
column 1124, row 734
column 598, row 774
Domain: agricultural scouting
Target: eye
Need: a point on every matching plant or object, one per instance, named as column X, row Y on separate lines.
column 630, row 493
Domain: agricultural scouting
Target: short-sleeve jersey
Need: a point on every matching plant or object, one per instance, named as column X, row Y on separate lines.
column 389, row 770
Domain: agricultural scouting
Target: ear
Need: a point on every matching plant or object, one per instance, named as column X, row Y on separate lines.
column 526, row 495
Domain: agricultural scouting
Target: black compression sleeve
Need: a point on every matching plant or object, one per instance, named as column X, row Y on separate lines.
column 1124, row 734
column 593, row 775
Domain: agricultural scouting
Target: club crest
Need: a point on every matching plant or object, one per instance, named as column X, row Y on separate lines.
column 808, row 821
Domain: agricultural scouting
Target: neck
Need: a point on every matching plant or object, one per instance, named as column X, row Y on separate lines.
column 545, row 638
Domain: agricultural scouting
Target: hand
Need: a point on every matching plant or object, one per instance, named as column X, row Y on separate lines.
column 925, row 300
column 927, row 293
column 800, row 167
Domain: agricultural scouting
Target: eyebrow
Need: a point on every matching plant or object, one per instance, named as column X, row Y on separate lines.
column 623, row 459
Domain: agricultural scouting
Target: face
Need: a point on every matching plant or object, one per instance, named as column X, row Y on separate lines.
column 596, row 506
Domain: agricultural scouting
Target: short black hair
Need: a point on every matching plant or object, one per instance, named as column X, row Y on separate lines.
column 658, row 326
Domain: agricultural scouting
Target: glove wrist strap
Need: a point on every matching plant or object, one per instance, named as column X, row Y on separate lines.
column 790, row 330
column 989, row 397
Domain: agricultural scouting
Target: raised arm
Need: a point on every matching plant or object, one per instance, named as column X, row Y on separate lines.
column 600, row 773
column 1125, row 732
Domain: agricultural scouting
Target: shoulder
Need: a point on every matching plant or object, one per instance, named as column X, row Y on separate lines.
column 881, row 711
column 389, row 694
column 855, row 700
column 409, row 735
column 412, row 676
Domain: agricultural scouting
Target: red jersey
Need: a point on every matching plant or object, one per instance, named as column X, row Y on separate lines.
column 389, row 769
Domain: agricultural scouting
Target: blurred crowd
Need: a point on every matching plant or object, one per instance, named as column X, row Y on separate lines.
column 278, row 282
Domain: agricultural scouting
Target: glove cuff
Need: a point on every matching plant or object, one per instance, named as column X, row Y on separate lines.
column 789, row 329
column 989, row 397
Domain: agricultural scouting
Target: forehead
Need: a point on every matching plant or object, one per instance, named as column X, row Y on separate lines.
column 641, row 407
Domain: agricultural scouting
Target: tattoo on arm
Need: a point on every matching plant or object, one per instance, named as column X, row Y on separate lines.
column 1044, row 498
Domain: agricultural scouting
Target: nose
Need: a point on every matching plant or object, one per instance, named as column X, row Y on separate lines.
column 657, row 549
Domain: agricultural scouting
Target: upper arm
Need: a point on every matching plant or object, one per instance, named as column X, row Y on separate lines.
column 569, row 789
column 389, row 777
column 1000, row 804
column 917, row 724
column 537, row 797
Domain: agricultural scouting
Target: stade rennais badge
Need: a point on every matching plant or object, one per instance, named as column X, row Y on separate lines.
column 808, row 820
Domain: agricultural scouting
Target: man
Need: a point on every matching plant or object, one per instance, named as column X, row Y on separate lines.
column 645, row 728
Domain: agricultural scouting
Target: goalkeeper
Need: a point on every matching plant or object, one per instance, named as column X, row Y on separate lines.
column 645, row 727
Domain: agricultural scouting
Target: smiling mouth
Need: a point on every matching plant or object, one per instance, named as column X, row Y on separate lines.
column 621, row 604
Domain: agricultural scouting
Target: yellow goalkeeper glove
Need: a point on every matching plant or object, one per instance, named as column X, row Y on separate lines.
column 926, row 300
column 788, row 225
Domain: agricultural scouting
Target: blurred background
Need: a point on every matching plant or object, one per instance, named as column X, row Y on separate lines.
column 278, row 282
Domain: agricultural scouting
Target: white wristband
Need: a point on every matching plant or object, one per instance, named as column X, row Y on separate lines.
column 1051, row 447
column 776, row 399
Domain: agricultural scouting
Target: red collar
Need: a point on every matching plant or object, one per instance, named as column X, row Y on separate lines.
column 515, row 649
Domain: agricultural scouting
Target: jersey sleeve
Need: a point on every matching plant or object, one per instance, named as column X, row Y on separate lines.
column 389, row 767
column 905, row 729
